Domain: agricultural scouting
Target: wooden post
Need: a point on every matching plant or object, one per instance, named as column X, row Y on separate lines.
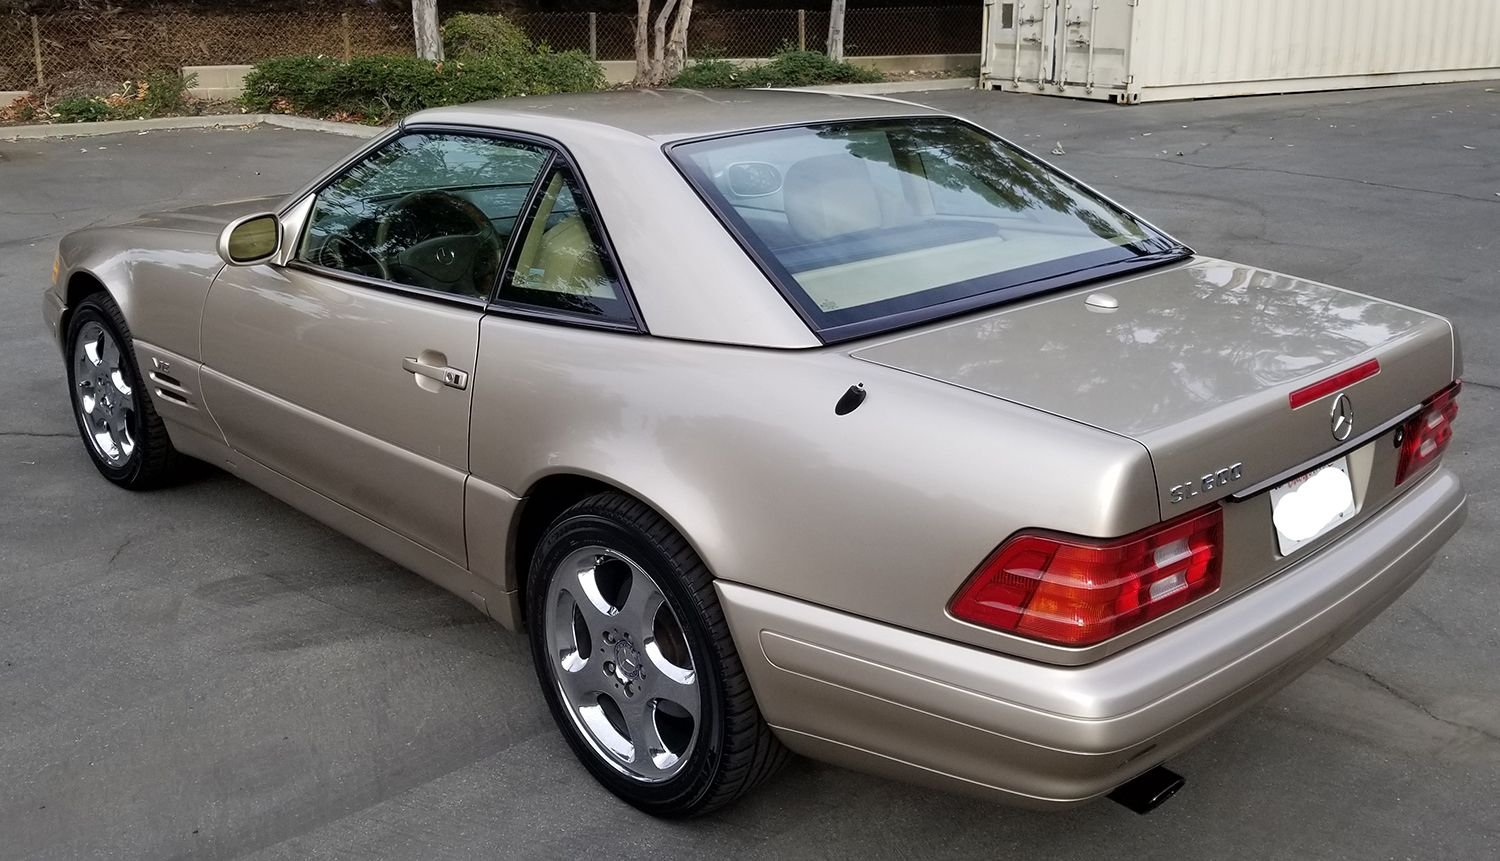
column 594, row 35
column 802, row 29
column 36, row 50
column 348, row 44
column 424, row 20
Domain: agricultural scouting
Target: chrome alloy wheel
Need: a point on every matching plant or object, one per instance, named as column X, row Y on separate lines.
column 103, row 395
column 620, row 659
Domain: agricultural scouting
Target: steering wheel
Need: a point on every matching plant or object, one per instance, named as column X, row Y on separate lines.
column 441, row 241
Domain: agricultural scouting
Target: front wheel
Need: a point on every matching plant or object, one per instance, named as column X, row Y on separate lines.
column 637, row 664
column 121, row 430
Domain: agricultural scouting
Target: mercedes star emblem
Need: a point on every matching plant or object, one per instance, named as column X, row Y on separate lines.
column 1343, row 418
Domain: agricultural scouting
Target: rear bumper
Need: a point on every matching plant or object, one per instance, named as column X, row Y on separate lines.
column 894, row 702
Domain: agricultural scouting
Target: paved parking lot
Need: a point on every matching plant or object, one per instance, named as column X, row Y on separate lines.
column 205, row 672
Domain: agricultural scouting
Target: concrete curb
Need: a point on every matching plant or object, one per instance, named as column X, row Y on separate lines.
column 115, row 127
column 887, row 87
column 355, row 130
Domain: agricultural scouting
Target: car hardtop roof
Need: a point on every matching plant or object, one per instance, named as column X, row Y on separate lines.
column 667, row 115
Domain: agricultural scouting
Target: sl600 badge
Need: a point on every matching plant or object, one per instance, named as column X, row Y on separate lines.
column 1208, row 483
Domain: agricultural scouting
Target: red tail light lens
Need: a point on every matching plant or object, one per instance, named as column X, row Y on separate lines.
column 1426, row 434
column 1078, row 592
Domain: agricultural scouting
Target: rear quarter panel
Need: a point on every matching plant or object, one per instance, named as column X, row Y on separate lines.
column 882, row 512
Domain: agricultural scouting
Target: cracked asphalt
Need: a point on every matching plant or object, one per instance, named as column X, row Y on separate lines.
column 204, row 672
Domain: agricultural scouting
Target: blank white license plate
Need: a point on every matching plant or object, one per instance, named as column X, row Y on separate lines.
column 1311, row 504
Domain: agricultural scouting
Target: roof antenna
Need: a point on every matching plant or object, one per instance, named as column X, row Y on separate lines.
column 851, row 400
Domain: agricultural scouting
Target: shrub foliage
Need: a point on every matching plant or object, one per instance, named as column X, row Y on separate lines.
column 159, row 94
column 468, row 36
column 789, row 68
column 489, row 58
column 715, row 73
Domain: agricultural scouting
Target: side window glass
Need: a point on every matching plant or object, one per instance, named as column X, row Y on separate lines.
column 426, row 210
column 562, row 265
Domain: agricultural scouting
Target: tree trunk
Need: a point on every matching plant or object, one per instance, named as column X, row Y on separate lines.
column 677, row 45
column 659, row 45
column 836, row 30
column 424, row 20
column 642, row 42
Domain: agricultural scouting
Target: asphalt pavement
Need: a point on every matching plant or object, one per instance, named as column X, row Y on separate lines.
column 205, row 672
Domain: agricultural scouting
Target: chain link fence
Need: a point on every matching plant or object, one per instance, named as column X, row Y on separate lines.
column 16, row 70
column 56, row 53
column 762, row 32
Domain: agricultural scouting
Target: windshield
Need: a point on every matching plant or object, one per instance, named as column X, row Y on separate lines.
column 871, row 224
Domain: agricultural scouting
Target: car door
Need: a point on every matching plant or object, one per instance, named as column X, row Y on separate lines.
column 348, row 368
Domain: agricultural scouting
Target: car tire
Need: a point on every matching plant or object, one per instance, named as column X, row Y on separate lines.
column 121, row 431
column 618, row 600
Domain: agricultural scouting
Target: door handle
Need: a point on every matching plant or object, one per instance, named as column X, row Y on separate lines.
column 451, row 377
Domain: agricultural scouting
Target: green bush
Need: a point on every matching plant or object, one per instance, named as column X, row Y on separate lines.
column 470, row 36
column 381, row 88
column 548, row 71
column 159, row 94
column 164, row 94
column 807, row 68
column 294, row 81
column 711, row 74
column 80, row 109
column 789, row 68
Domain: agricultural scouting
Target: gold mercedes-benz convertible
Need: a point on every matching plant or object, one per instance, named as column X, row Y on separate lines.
column 787, row 421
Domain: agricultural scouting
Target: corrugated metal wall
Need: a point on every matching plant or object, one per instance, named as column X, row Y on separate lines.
column 1152, row 49
column 1210, row 41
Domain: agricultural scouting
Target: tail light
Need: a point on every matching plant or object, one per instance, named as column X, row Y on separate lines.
column 1426, row 434
column 1077, row 591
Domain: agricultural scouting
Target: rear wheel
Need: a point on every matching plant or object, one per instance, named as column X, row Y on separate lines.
column 637, row 664
column 121, row 431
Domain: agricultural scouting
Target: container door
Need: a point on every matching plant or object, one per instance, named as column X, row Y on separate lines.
column 1077, row 47
column 1021, row 37
column 1073, row 37
column 1092, row 45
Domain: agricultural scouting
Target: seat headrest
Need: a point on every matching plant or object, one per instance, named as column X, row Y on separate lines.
column 830, row 195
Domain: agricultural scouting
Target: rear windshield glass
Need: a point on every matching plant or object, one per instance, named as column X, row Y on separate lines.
column 868, row 221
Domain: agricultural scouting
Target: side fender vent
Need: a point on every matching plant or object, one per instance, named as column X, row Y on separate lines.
column 167, row 387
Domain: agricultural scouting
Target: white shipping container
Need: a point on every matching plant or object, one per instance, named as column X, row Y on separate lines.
column 1141, row 50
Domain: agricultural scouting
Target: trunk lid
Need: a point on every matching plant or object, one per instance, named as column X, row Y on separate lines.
column 1196, row 363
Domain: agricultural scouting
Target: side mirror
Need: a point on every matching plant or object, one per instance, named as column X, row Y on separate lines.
column 250, row 240
column 752, row 178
